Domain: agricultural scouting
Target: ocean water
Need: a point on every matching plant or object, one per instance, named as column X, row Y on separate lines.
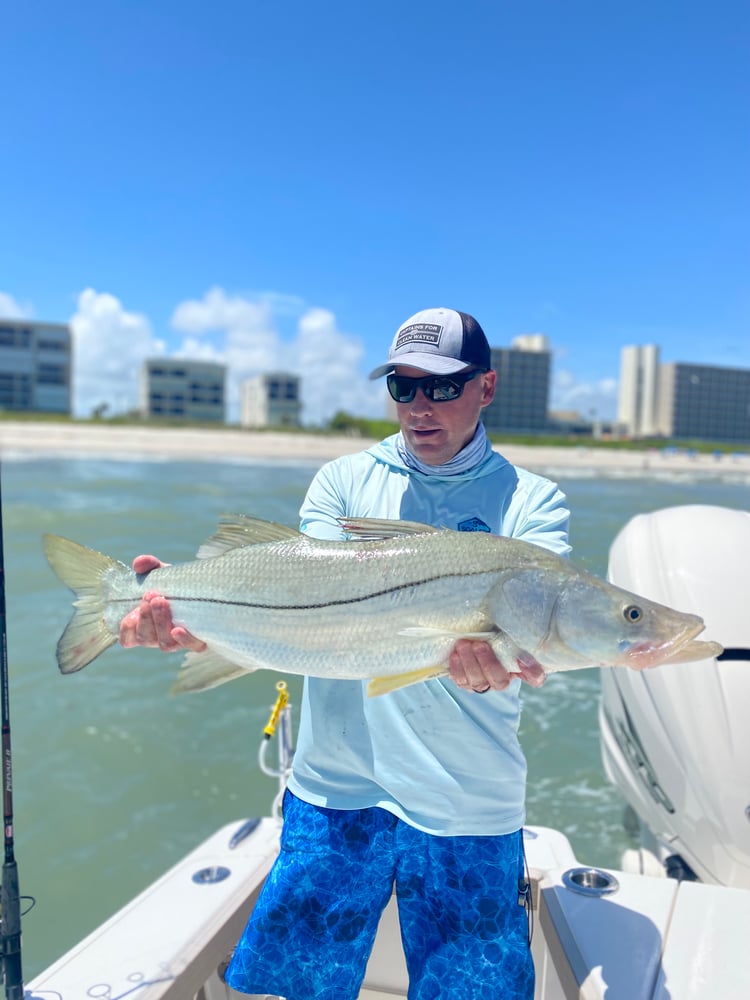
column 115, row 779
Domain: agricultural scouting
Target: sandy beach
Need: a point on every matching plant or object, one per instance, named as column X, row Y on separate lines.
column 26, row 439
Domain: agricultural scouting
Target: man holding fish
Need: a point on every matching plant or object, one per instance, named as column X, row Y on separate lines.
column 422, row 789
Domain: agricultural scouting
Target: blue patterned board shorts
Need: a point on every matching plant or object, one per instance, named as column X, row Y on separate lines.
column 463, row 925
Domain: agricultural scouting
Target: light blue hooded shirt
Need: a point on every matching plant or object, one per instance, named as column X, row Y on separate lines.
column 445, row 760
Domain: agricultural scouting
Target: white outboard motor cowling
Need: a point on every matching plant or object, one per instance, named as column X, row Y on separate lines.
column 676, row 739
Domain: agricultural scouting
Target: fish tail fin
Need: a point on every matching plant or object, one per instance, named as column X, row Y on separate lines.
column 82, row 569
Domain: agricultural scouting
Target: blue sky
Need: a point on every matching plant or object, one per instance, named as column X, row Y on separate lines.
column 281, row 185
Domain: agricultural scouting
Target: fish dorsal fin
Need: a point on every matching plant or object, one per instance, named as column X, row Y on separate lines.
column 238, row 530
column 375, row 529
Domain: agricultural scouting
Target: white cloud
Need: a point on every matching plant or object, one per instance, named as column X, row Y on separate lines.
column 325, row 359
column 593, row 399
column 328, row 361
column 219, row 311
column 109, row 345
column 11, row 309
column 245, row 337
column 241, row 332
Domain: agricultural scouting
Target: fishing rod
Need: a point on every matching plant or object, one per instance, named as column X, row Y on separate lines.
column 10, row 901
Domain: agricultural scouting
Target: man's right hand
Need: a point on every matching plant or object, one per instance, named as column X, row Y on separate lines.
column 150, row 624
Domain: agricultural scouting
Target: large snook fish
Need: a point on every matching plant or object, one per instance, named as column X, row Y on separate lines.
column 387, row 606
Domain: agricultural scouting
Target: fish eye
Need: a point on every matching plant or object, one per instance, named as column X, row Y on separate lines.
column 632, row 613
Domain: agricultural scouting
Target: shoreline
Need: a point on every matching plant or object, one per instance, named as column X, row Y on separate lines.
column 21, row 439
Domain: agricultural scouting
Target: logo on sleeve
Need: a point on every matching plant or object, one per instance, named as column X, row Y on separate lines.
column 473, row 524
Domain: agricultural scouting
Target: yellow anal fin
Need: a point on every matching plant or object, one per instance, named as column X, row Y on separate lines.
column 384, row 685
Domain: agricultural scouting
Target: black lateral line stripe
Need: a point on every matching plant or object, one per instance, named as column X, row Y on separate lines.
column 310, row 607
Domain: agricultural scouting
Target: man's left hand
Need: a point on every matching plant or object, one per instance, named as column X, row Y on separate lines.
column 474, row 667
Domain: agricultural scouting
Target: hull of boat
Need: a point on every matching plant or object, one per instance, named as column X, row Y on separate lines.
column 593, row 931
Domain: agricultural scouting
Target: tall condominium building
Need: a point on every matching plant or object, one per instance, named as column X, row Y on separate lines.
column 522, row 395
column 35, row 366
column 679, row 400
column 705, row 402
column 270, row 400
column 639, row 389
column 183, row 389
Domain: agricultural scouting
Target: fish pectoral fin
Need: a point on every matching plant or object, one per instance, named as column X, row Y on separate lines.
column 384, row 685
column 427, row 631
column 201, row 671
column 376, row 529
column 238, row 530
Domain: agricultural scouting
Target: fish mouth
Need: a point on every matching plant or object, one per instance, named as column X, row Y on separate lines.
column 641, row 655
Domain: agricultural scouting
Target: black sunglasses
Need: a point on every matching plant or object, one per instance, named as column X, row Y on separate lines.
column 437, row 388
